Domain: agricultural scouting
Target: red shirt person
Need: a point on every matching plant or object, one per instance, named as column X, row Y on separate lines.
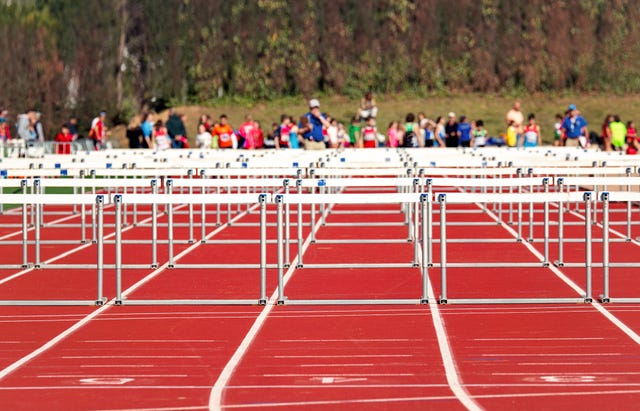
column 63, row 141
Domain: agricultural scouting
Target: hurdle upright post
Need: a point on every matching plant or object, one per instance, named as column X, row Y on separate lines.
column 416, row 225
column 203, row 211
column 426, row 252
column 545, row 262
column 604, row 196
column 561, row 210
column 287, row 225
column 531, row 237
column 299, row 187
column 588, row 257
column 628, row 239
column 38, row 215
column 190, row 191
column 100, row 246
column 262, row 199
column 280, row 264
column 442, row 199
column 169, row 190
column 118, row 245
column 154, row 226
column 25, row 238
column 93, row 208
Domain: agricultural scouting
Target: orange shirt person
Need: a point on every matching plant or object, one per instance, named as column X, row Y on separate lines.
column 223, row 135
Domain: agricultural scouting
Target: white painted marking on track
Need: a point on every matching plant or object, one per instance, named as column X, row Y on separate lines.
column 555, row 363
column 451, row 370
column 336, row 365
column 105, row 381
column 541, row 339
column 347, row 356
column 355, row 340
column 127, row 356
column 215, row 397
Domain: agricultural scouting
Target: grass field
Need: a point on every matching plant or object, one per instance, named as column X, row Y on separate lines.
column 490, row 108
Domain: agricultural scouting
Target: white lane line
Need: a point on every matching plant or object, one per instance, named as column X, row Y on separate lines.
column 215, row 397
column 555, row 363
column 569, row 373
column 118, row 366
column 336, row 365
column 310, row 375
column 115, row 376
column 542, row 339
column 153, row 341
column 593, row 354
column 58, row 338
column 127, row 356
column 355, row 340
column 346, row 356
column 451, row 370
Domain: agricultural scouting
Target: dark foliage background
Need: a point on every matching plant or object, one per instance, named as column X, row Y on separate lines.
column 69, row 56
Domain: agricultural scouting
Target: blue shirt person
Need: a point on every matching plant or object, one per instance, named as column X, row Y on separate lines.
column 575, row 128
column 464, row 132
column 312, row 131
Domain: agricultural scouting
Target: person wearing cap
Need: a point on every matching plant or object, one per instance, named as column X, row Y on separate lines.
column 575, row 128
column 312, row 132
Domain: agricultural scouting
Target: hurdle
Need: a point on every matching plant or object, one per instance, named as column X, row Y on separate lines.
column 420, row 247
column 443, row 199
column 37, row 201
column 259, row 200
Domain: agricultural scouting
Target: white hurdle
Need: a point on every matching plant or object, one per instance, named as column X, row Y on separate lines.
column 519, row 198
column 38, row 201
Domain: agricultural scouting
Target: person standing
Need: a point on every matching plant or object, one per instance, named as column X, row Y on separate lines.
column 516, row 118
column 282, row 134
column 5, row 130
column 532, row 136
column 203, row 139
column 147, row 131
column 63, row 140
column 574, row 127
column 451, row 131
column 368, row 108
column 72, row 125
column 464, row 132
column 223, row 135
column 176, row 129
column 312, row 132
column 618, row 133
column 98, row 132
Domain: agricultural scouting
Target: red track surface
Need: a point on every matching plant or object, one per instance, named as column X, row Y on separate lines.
column 321, row 357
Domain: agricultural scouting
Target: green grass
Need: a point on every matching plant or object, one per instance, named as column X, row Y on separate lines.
column 491, row 108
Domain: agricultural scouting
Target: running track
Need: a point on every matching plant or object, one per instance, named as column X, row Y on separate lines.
column 318, row 357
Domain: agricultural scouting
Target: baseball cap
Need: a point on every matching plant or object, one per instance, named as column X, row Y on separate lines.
column 314, row 103
column 572, row 106
column 452, row 114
